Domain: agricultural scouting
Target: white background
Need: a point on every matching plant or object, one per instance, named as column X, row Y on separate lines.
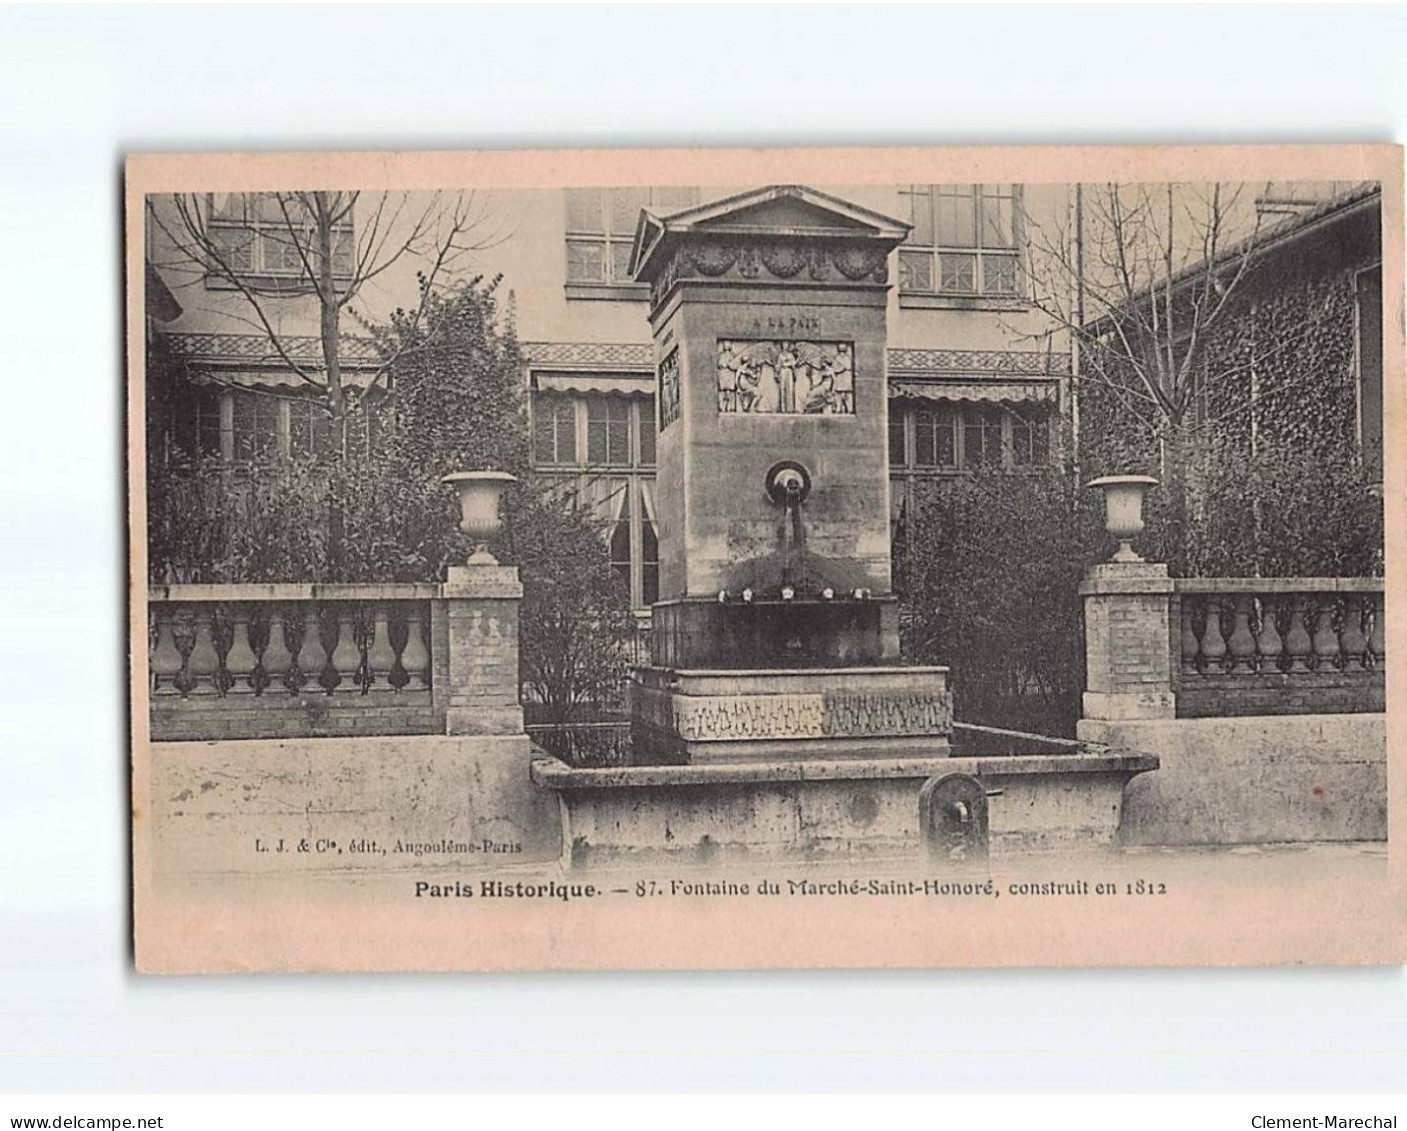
column 81, row 87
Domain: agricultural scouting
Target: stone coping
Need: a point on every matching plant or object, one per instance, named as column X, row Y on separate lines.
column 782, row 673
column 1218, row 585
column 296, row 591
column 552, row 773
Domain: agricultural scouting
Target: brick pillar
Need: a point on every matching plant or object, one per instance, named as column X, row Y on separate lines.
column 1128, row 650
column 480, row 605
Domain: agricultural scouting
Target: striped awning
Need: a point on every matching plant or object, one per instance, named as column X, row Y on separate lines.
column 1037, row 391
column 622, row 384
column 283, row 379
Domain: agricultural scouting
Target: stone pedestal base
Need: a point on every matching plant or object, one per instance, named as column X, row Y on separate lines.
column 699, row 716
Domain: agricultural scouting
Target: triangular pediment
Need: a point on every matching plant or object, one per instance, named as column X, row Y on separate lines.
column 783, row 210
column 786, row 206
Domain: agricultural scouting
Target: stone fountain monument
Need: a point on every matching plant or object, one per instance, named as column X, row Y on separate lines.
column 777, row 633
column 776, row 718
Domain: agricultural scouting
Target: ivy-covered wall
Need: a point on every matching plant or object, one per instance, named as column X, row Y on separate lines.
column 1276, row 480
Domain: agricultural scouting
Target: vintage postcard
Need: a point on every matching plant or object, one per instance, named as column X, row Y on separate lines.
column 766, row 558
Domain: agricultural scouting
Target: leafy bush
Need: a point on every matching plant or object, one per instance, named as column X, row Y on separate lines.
column 378, row 512
column 988, row 571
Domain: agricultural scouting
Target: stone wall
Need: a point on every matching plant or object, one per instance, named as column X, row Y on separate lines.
column 1253, row 779
column 344, row 806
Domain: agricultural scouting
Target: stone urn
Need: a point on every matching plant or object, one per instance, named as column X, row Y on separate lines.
column 1123, row 509
column 479, row 495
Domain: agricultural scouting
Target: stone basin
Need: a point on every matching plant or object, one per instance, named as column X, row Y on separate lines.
column 789, row 809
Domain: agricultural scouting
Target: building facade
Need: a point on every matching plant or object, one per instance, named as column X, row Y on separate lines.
column 977, row 375
column 976, row 378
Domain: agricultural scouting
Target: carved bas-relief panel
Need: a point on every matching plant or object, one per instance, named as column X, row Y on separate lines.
column 669, row 390
column 786, row 376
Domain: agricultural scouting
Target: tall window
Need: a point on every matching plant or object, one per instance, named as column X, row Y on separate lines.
column 269, row 235
column 1030, row 437
column 620, row 552
column 608, row 431
column 936, row 437
column 554, row 430
column 600, row 448
column 195, row 424
column 310, row 429
column 645, row 432
column 966, row 240
column 649, row 561
column 601, row 228
column 982, row 436
column 256, row 431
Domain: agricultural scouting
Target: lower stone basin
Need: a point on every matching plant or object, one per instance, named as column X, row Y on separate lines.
column 806, row 809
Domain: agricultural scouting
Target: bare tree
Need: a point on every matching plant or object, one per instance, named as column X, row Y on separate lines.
column 329, row 246
column 1139, row 276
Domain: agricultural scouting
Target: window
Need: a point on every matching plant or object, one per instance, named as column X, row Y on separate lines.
column 982, row 436
column 896, row 436
column 1030, row 438
column 951, row 437
column 255, row 425
column 650, row 563
column 608, row 431
column 620, row 552
column 935, row 437
column 601, row 228
column 579, row 436
column 554, row 429
column 195, row 431
column 269, row 235
column 309, row 429
column 645, row 433
column 965, row 240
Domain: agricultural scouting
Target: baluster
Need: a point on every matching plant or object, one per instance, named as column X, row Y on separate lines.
column 415, row 657
column 1241, row 645
column 1268, row 643
column 1377, row 639
column 1213, row 645
column 346, row 656
column 1297, row 642
column 380, row 656
column 241, row 661
column 1352, row 640
column 1326, row 640
column 165, row 660
column 312, row 657
column 278, row 660
column 1189, row 640
column 203, row 664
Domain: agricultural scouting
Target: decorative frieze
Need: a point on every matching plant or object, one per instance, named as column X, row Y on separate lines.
column 1000, row 362
column 590, row 355
column 698, row 717
column 302, row 348
column 795, row 715
column 787, row 377
column 877, row 713
column 784, row 260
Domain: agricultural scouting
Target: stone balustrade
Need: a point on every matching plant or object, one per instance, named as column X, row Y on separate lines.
column 324, row 660
column 1269, row 646
column 1160, row 647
